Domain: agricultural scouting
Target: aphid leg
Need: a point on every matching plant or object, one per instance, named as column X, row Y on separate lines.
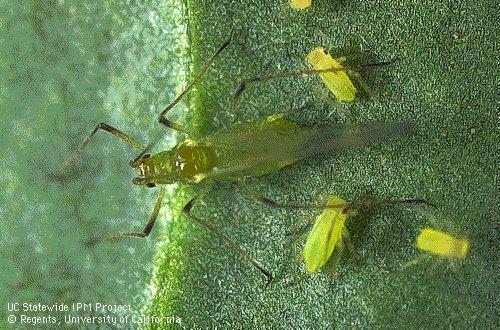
column 368, row 201
column 264, row 78
column 335, row 258
column 275, row 205
column 306, row 72
column 299, row 230
column 408, row 201
column 102, row 126
column 413, row 262
column 349, row 245
column 340, row 59
column 435, row 263
column 147, row 229
column 162, row 119
column 363, row 84
column 187, row 211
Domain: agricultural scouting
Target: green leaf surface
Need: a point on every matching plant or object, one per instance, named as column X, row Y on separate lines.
column 445, row 81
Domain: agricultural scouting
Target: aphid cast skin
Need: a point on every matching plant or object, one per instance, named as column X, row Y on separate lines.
column 300, row 4
column 338, row 82
column 439, row 243
column 326, row 235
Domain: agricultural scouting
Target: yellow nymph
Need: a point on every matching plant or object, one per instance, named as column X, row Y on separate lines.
column 300, row 4
column 338, row 82
column 326, row 235
column 439, row 243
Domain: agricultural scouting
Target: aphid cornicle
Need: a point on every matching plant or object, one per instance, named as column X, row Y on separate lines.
column 300, row 4
column 243, row 150
column 338, row 82
column 442, row 244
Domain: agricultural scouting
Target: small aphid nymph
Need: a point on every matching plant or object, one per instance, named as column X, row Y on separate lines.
column 338, row 82
column 326, row 235
column 300, row 4
column 443, row 244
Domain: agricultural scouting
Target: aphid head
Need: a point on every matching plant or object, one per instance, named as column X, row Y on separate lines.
column 153, row 169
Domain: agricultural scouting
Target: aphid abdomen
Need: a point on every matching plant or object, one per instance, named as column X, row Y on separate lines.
column 338, row 82
column 437, row 242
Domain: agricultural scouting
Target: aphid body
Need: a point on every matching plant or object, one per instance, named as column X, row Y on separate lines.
column 443, row 244
column 254, row 148
column 300, row 4
column 338, row 82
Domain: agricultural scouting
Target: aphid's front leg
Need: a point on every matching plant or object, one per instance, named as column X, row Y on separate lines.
column 187, row 210
column 298, row 230
column 349, row 245
column 142, row 234
column 101, row 126
column 162, row 119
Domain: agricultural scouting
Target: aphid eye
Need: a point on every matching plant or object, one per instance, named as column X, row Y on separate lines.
column 150, row 185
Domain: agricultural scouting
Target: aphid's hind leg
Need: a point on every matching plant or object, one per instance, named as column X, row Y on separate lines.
column 300, row 73
column 264, row 78
column 144, row 233
column 275, row 205
column 101, row 126
column 359, row 202
column 162, row 119
column 187, row 211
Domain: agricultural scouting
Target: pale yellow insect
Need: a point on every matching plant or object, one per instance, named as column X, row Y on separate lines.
column 435, row 243
column 327, row 235
column 300, row 4
column 439, row 243
column 338, row 82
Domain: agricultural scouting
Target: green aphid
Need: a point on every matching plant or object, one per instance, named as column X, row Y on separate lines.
column 246, row 149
